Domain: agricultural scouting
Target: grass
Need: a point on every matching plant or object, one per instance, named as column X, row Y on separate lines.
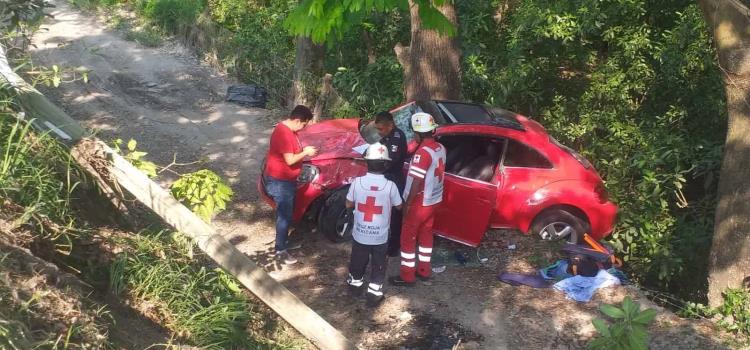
column 203, row 306
column 35, row 315
column 147, row 36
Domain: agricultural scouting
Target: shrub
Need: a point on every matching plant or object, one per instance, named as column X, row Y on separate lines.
column 628, row 332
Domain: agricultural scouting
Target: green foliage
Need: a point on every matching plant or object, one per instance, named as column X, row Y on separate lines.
column 733, row 314
column 149, row 36
column 171, row 14
column 204, row 192
column 735, row 311
column 203, row 306
column 629, row 330
column 326, row 20
column 17, row 13
column 374, row 88
column 135, row 156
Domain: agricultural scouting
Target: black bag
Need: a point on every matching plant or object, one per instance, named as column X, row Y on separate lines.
column 585, row 261
column 247, row 95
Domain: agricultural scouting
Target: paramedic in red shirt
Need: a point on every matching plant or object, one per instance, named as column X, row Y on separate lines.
column 424, row 190
column 283, row 165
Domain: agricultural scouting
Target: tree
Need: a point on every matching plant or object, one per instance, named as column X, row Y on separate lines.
column 729, row 263
column 432, row 61
column 308, row 63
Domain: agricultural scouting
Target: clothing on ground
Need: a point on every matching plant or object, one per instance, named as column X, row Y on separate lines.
column 580, row 288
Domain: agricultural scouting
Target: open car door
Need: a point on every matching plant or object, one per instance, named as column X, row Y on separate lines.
column 464, row 214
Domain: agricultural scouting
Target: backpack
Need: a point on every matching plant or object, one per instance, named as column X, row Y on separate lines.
column 587, row 261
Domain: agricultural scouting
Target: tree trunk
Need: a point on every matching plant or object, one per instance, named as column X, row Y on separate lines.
column 729, row 262
column 371, row 56
column 325, row 98
column 308, row 63
column 432, row 63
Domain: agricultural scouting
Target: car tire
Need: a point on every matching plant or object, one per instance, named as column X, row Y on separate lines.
column 559, row 224
column 335, row 220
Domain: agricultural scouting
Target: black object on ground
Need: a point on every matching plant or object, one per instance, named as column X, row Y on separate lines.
column 247, row 95
column 516, row 279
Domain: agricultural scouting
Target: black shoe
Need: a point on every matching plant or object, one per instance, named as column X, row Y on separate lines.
column 355, row 291
column 374, row 300
column 397, row 281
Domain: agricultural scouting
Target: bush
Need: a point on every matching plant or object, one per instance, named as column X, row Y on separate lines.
column 172, row 14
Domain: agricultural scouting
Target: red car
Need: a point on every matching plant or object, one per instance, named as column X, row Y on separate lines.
column 503, row 171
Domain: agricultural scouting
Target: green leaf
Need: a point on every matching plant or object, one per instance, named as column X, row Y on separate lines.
column 645, row 317
column 132, row 144
column 630, row 307
column 601, row 327
column 612, row 311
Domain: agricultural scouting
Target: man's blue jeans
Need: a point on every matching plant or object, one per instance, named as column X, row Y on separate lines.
column 282, row 192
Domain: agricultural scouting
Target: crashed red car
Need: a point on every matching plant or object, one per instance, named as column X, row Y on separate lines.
column 503, row 171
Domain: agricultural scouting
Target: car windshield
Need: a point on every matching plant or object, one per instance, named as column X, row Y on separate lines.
column 402, row 118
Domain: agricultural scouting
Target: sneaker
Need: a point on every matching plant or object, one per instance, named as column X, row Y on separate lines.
column 293, row 246
column 397, row 281
column 285, row 258
column 374, row 300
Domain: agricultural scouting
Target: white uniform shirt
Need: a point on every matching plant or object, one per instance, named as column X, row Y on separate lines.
column 428, row 164
column 373, row 196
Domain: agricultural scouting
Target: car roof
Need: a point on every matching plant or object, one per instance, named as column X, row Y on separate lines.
column 474, row 113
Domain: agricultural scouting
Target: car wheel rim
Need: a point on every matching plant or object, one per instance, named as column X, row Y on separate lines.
column 556, row 231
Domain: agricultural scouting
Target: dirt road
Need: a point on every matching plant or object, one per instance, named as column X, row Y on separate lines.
column 172, row 104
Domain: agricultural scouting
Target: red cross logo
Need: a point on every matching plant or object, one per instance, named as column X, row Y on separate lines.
column 369, row 209
column 440, row 170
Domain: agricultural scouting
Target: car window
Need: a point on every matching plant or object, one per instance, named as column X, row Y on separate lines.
column 522, row 156
column 402, row 118
column 465, row 112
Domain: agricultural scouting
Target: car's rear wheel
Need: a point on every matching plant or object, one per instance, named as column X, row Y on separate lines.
column 335, row 220
column 559, row 224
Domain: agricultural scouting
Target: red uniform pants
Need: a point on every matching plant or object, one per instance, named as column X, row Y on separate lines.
column 416, row 241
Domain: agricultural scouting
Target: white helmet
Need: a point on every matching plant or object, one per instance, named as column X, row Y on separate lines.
column 422, row 122
column 377, row 151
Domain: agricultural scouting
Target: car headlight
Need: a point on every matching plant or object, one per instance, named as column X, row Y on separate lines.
column 309, row 173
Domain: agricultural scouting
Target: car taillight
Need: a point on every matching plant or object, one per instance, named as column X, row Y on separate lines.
column 601, row 192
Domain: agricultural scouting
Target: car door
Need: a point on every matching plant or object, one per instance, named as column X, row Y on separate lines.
column 464, row 214
column 467, row 205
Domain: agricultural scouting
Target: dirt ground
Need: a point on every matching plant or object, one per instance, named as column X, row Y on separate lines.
column 171, row 103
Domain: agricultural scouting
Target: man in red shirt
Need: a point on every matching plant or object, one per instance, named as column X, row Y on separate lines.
column 283, row 165
column 423, row 191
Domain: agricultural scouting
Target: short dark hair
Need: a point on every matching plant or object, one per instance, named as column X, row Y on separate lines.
column 377, row 166
column 302, row 113
column 383, row 117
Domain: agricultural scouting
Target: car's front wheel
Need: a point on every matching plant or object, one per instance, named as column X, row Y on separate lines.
column 335, row 220
column 559, row 224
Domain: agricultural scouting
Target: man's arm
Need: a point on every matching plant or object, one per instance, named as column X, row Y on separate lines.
column 349, row 204
column 294, row 158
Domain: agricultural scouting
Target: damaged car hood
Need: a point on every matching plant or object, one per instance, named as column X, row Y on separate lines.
column 333, row 138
